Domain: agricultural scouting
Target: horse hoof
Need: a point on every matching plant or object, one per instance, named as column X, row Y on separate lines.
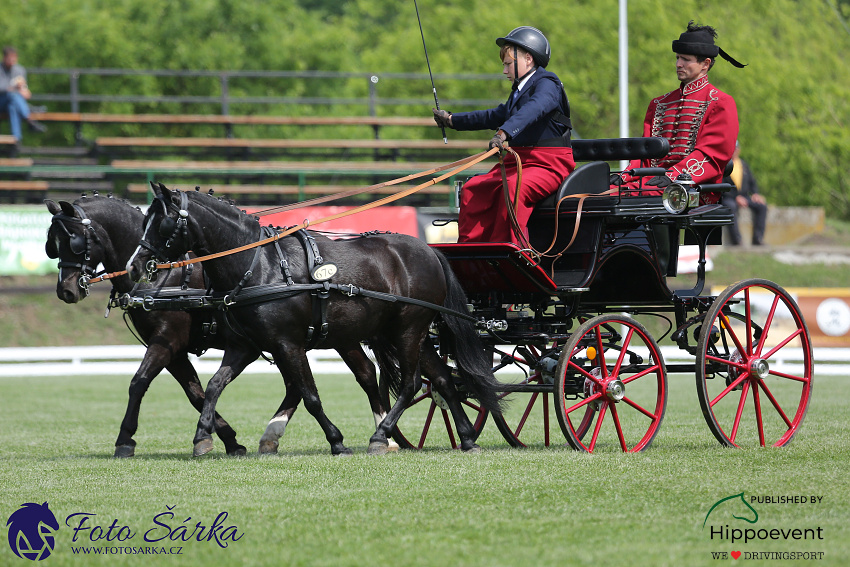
column 239, row 451
column 377, row 448
column 475, row 449
column 202, row 447
column 345, row 452
column 268, row 447
column 124, row 451
column 392, row 446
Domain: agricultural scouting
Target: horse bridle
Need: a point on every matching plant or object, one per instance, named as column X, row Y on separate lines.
column 79, row 244
column 170, row 229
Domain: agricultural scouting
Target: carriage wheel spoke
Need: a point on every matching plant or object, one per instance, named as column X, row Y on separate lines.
column 744, row 391
column 778, row 347
column 545, row 419
column 728, row 389
column 749, row 321
column 727, row 362
column 759, row 422
column 619, row 428
column 449, row 429
column 640, row 374
column 427, row 426
column 598, row 427
column 726, row 324
column 775, row 403
column 526, row 413
column 789, row 376
column 584, row 402
column 642, row 410
column 600, row 353
column 768, row 322
column 625, row 346
column 585, row 373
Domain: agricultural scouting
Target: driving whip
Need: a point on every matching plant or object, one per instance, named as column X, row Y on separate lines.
column 433, row 88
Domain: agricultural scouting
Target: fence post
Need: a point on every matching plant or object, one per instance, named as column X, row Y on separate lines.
column 225, row 104
column 75, row 103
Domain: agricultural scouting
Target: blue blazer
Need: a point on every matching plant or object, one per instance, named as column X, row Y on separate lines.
column 526, row 119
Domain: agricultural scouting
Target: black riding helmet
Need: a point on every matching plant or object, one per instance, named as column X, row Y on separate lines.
column 532, row 40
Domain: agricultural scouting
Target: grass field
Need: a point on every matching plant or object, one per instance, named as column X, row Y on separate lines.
column 435, row 507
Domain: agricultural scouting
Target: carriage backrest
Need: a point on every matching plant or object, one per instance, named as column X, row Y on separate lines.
column 588, row 179
column 614, row 149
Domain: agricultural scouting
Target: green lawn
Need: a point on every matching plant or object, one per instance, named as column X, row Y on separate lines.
column 436, row 507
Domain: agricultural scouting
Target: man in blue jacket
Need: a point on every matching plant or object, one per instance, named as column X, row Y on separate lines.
column 535, row 123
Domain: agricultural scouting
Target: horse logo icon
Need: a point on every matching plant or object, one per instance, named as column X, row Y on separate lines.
column 739, row 496
column 31, row 529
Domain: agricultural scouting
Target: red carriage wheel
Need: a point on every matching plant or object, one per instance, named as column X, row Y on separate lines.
column 428, row 415
column 754, row 345
column 528, row 417
column 611, row 368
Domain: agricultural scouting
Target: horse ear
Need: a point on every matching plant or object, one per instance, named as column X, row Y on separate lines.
column 69, row 209
column 52, row 207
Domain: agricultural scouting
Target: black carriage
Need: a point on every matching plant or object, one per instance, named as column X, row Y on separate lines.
column 565, row 324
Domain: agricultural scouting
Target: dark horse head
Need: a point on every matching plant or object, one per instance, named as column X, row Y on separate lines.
column 379, row 294
column 31, row 529
column 87, row 233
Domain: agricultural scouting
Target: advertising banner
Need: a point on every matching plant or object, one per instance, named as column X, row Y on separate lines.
column 23, row 230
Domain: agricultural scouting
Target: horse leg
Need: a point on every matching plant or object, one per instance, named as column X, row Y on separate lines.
column 233, row 363
column 364, row 372
column 187, row 377
column 440, row 376
column 155, row 359
column 410, row 384
column 292, row 362
column 270, row 440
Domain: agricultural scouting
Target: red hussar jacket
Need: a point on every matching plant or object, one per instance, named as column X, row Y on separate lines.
column 701, row 123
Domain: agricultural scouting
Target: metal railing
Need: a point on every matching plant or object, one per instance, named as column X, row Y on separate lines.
column 81, row 89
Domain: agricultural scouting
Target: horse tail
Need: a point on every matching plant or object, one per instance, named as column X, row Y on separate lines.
column 474, row 365
column 386, row 354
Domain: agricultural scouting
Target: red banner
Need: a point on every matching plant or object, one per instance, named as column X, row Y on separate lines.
column 392, row 219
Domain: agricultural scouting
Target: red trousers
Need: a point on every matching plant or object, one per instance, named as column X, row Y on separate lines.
column 483, row 216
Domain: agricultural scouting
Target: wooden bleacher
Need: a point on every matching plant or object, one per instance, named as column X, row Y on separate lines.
column 271, row 169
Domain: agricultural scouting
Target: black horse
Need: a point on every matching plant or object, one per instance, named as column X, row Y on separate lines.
column 98, row 230
column 374, row 270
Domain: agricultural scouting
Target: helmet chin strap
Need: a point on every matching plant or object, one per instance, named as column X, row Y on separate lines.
column 517, row 78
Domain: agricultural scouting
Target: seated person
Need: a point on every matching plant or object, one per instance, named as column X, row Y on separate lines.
column 535, row 121
column 699, row 120
column 745, row 195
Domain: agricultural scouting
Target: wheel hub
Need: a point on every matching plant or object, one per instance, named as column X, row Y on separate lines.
column 759, row 368
column 615, row 390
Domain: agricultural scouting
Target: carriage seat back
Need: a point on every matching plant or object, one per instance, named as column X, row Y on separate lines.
column 591, row 179
column 615, row 149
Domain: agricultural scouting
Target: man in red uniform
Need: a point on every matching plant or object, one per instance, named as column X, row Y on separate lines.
column 699, row 119
column 535, row 121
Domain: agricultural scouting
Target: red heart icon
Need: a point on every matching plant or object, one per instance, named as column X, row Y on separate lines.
column 736, row 554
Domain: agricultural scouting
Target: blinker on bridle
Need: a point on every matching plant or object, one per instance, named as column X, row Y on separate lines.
column 169, row 229
column 79, row 244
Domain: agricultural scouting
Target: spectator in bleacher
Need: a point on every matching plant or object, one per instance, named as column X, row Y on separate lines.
column 745, row 196
column 14, row 93
column 535, row 122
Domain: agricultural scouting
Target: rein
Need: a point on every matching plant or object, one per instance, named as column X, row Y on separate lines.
column 511, row 205
column 466, row 163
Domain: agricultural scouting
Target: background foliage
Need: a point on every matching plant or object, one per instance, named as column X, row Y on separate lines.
column 793, row 98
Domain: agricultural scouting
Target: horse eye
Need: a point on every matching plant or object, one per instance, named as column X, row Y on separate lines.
column 166, row 227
